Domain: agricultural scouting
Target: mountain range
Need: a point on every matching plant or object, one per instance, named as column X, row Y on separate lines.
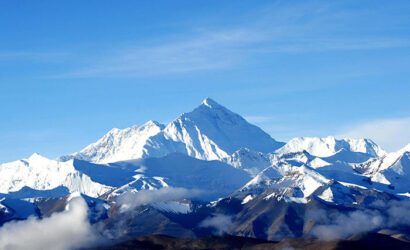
column 210, row 171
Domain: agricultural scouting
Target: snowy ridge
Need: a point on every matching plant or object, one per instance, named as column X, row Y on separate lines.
column 392, row 169
column 209, row 132
column 299, row 175
column 328, row 146
column 212, row 132
column 386, row 161
column 40, row 173
column 250, row 161
column 119, row 144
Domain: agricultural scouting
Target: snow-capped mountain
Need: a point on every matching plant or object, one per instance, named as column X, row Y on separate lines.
column 119, row 144
column 41, row 174
column 153, row 156
column 301, row 174
column 325, row 147
column 209, row 132
column 267, row 188
column 392, row 169
column 212, row 132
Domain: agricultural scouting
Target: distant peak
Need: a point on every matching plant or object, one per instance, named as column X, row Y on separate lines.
column 152, row 122
column 114, row 130
column 210, row 103
column 36, row 156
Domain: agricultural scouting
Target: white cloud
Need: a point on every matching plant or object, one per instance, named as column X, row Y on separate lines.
column 220, row 222
column 391, row 134
column 281, row 28
column 341, row 226
column 202, row 51
column 130, row 200
column 334, row 225
column 69, row 229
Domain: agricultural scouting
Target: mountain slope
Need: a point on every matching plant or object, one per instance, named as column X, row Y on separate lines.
column 213, row 179
column 209, row 132
column 392, row 169
column 119, row 144
column 40, row 173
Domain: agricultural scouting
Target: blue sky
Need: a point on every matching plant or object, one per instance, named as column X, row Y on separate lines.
column 72, row 70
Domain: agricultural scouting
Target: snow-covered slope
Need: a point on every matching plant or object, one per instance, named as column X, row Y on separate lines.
column 213, row 179
column 250, row 161
column 119, row 144
column 40, row 173
column 384, row 162
column 298, row 175
column 209, row 132
column 392, row 169
column 325, row 147
column 212, row 132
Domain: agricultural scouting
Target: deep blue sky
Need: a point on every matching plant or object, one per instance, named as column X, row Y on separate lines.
column 72, row 70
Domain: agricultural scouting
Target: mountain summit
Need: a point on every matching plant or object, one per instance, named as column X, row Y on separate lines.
column 209, row 132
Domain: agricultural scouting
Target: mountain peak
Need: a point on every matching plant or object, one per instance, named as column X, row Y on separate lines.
column 209, row 132
column 212, row 131
column 152, row 123
column 210, row 103
column 36, row 156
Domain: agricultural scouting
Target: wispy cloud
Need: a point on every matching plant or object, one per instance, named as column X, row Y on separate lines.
column 391, row 134
column 220, row 222
column 283, row 28
column 320, row 45
column 204, row 51
column 334, row 225
column 130, row 200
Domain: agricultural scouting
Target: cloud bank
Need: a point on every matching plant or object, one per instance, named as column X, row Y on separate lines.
column 69, row 229
column 130, row 200
column 335, row 225
column 219, row 222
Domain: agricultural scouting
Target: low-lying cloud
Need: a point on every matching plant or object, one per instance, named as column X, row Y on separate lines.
column 341, row 226
column 336, row 225
column 66, row 230
column 220, row 222
column 130, row 200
